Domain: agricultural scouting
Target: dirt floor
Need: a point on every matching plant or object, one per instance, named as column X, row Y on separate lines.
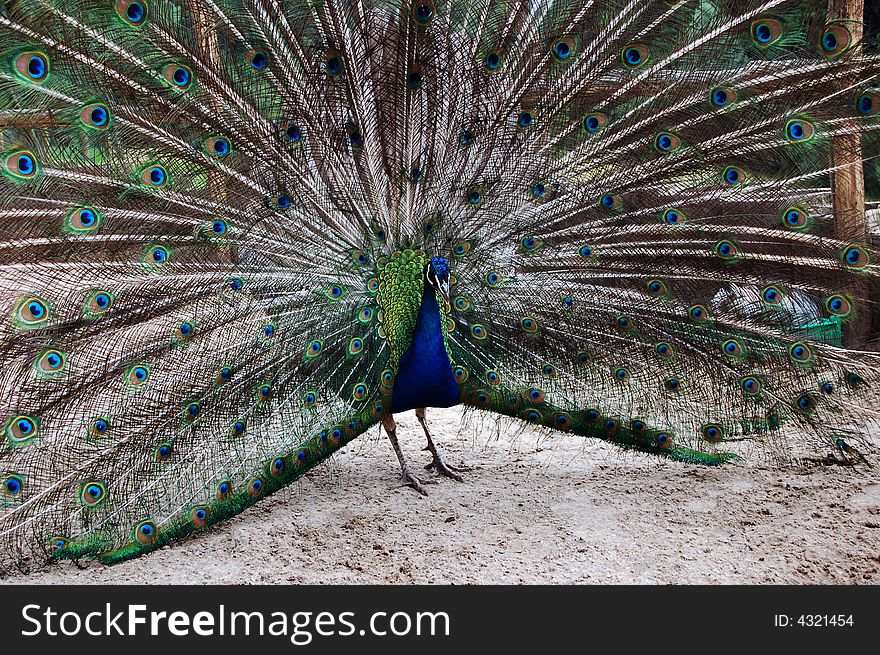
column 534, row 509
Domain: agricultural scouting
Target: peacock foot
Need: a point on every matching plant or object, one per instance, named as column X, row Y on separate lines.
column 444, row 468
column 410, row 479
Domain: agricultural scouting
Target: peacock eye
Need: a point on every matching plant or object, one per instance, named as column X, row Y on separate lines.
column 794, row 218
column 256, row 487
column 22, row 164
column 698, row 313
column 32, row 312
column 21, row 430
column 726, row 249
column 750, row 386
column 93, row 493
column 610, row 201
column 766, row 31
column 224, row 490
column 96, row 116
column 51, row 361
column 154, row 176
column 333, row 65
column 33, row 66
column 81, row 219
column 178, row 75
column 835, row 40
column 666, row 142
column 564, row 49
column 797, row 130
column 594, row 122
column 423, row 11
column 199, row 516
column 218, row 146
column 838, row 305
column 138, row 375
column 854, row 257
column 657, row 288
column 493, row 60
column 293, row 133
column 635, row 55
column 722, row 96
column 145, row 532
column 868, row 103
column 733, row 175
column 258, row 60
column 133, row 12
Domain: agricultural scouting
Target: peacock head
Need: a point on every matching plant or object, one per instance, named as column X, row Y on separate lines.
column 437, row 275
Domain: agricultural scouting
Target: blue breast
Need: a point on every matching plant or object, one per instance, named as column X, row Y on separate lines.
column 424, row 376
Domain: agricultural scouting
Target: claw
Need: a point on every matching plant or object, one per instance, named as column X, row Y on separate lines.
column 410, row 479
column 443, row 468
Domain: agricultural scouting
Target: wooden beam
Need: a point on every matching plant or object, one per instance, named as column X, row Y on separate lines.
column 29, row 120
column 848, row 180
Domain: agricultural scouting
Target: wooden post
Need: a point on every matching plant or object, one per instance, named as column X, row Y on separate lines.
column 206, row 37
column 848, row 180
column 209, row 47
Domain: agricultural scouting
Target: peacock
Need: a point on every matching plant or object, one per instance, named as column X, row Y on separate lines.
column 237, row 234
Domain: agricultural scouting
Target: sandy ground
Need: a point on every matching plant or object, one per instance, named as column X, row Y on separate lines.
column 535, row 509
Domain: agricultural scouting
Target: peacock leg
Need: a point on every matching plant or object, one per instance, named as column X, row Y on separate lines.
column 439, row 463
column 407, row 477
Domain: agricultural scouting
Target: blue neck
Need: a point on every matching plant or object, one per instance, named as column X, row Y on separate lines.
column 424, row 377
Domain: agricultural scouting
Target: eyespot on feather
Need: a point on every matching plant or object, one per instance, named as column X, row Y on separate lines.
column 838, row 304
column 798, row 130
column 635, row 55
column 178, row 75
column 22, row 164
column 494, row 60
column 82, row 219
column 154, row 176
column 218, row 146
column 334, row 67
column 423, row 11
column 666, row 142
column 258, row 60
column 564, row 49
column 138, row 375
column 200, row 516
column 51, row 362
column 33, row 66
column 854, row 257
column 766, row 31
column 146, row 533
column 21, row 430
column 835, row 40
column 594, row 122
column 795, row 218
column 722, row 96
column 713, row 433
column 32, row 311
column 133, row 12
column 95, row 115
column 868, row 103
column 92, row 493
